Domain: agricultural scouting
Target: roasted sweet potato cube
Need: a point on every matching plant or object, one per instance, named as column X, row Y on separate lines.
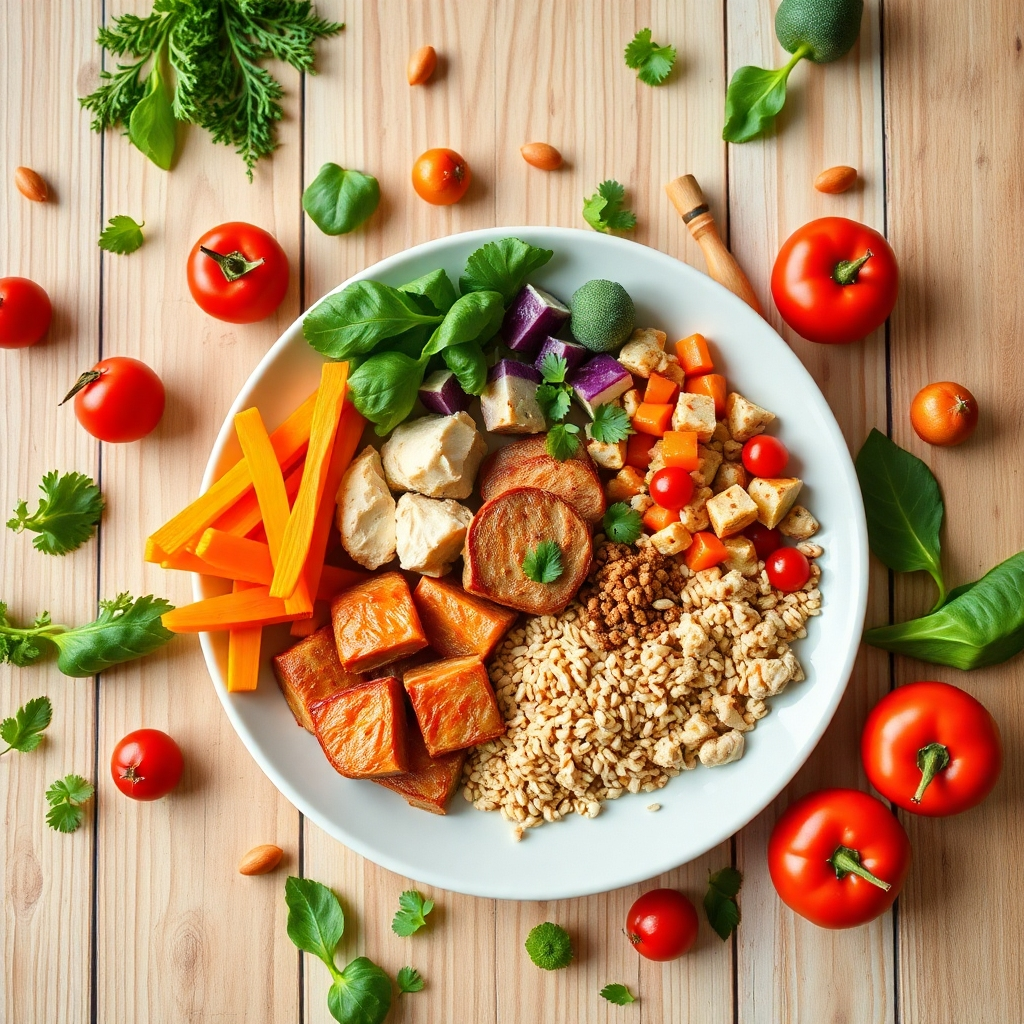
column 456, row 623
column 362, row 729
column 430, row 782
column 454, row 704
column 311, row 671
column 375, row 622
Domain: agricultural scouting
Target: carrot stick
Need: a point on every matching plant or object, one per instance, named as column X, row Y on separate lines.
column 188, row 561
column 253, row 607
column 244, row 516
column 320, row 617
column 288, row 567
column 288, row 442
column 244, row 653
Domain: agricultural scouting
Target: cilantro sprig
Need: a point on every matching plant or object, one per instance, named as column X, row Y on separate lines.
column 611, row 424
column 412, row 912
column 65, row 798
column 563, row 441
column 543, row 564
column 122, row 235
column 621, row 523
column 720, row 906
column 652, row 63
column 618, row 994
column 410, row 980
column 554, row 397
column 67, row 514
column 24, row 731
column 603, row 211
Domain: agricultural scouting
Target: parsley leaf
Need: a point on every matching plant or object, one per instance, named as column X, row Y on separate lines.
column 621, row 523
column 562, row 442
column 410, row 980
column 554, row 401
column 412, row 912
column 543, row 564
column 502, row 266
column 122, row 235
column 603, row 211
column 553, row 368
column 67, row 513
column 65, row 798
column 611, row 424
column 618, row 994
column 24, row 731
column 723, row 913
column 652, row 63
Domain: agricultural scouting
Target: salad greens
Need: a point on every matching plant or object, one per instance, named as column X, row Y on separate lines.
column 24, row 731
column 121, row 236
column 66, row 516
column 411, row 916
column 502, row 266
column 65, row 798
column 339, row 200
column 720, row 906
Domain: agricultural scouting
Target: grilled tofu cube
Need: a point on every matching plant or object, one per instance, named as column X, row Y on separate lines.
column 731, row 511
column 605, row 455
column 631, row 401
column 694, row 516
column 697, row 413
column 799, row 524
column 362, row 729
column 644, row 352
column 729, row 474
column 675, row 538
column 454, row 704
column 375, row 622
column 708, row 461
column 745, row 419
column 742, row 555
column 670, row 367
column 430, row 782
column 458, row 624
column 773, row 497
column 311, row 671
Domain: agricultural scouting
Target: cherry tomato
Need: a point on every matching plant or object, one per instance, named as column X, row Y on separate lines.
column 672, row 487
column 765, row 541
column 788, row 569
column 944, row 413
column 120, row 399
column 146, row 764
column 25, row 312
column 765, row 456
column 931, row 749
column 238, row 272
column 440, row 176
column 662, row 924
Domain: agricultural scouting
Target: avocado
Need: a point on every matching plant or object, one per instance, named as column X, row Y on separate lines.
column 828, row 27
column 603, row 315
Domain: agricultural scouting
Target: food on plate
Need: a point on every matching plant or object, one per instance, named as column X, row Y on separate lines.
column 25, row 312
column 339, row 199
column 366, row 511
column 662, row 924
column 430, row 782
column 652, row 62
column 549, row 946
column 434, row 455
column 119, row 400
column 598, row 381
column 31, row 184
column 644, row 353
column 672, row 488
column 533, row 316
column 311, row 671
column 604, row 210
column 834, row 180
column 788, row 569
column 571, row 351
column 835, row 281
column 430, row 533
column 459, row 623
column 931, row 749
column 731, row 511
column 508, row 403
column 774, row 498
column 693, row 412
column 744, row 419
column 765, row 456
column 440, row 176
column 798, row 524
column 260, row 860
column 541, row 155
column 944, row 413
column 146, row 764
column 442, row 393
column 603, row 315
column 838, row 857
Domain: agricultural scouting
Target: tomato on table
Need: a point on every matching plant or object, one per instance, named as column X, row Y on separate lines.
column 788, row 569
column 119, row 400
column 146, row 764
column 672, row 487
column 765, row 456
column 765, row 541
column 944, row 413
column 238, row 272
column 25, row 312
column 662, row 924
column 931, row 749
column 440, row 176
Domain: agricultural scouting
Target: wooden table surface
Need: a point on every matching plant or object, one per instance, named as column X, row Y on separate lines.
column 141, row 914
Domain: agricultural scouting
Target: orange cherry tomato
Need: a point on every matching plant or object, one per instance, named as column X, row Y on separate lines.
column 440, row 176
column 944, row 413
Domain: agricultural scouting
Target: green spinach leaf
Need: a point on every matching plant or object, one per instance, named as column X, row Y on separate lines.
column 502, row 266
column 385, row 387
column 436, row 287
column 152, row 126
column 360, row 994
column 316, row 921
column 720, row 906
column 338, row 200
column 469, row 364
column 475, row 316
column 754, row 97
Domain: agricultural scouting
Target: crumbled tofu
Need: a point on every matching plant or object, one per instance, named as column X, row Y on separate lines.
column 631, row 402
column 624, row 484
column 731, row 511
column 742, row 555
column 435, row 455
column 643, row 353
column 695, row 412
column 669, row 367
column 799, row 524
column 744, row 418
column 694, row 516
column 728, row 475
column 509, row 406
column 672, row 540
column 708, row 461
column 732, row 450
column 430, row 533
column 774, row 498
column 721, row 434
column 366, row 511
column 607, row 456
column 641, row 503
column 722, row 749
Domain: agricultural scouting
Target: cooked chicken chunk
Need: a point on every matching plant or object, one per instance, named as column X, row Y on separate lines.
column 366, row 511
column 430, row 533
column 435, row 455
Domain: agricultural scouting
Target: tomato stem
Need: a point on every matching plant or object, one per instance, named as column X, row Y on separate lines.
column 85, row 380
column 847, row 862
column 233, row 265
column 931, row 760
column 846, row 270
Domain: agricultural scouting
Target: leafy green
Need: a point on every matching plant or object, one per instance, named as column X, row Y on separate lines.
column 611, row 424
column 474, row 316
column 339, row 200
column 469, row 364
column 360, row 994
column 502, row 266
column 754, row 97
column 122, row 235
column 618, row 994
column 553, row 368
column 67, row 514
column 436, row 287
column 554, row 401
column 152, row 127
column 549, row 946
column 621, row 523
column 652, row 63
column 603, row 211
column 385, row 387
column 410, row 980
column 65, row 798
column 543, row 564
column 720, row 906
column 24, row 731
column 562, row 441
column 412, row 912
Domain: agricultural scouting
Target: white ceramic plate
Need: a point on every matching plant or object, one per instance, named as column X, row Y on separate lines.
column 471, row 851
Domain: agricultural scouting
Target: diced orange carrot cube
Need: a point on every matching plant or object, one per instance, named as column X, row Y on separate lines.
column 693, row 353
column 627, row 483
column 638, row 450
column 653, row 419
column 456, row 623
column 660, row 390
column 712, row 385
column 657, row 518
column 679, row 448
column 705, row 551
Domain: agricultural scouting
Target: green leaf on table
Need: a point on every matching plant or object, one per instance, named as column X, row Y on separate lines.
column 502, row 266
column 754, row 97
column 122, row 235
column 410, row 980
column 65, row 798
column 66, row 516
column 618, row 994
column 338, row 200
column 720, row 906
column 360, row 994
column 316, row 921
column 603, row 211
column 411, row 916
column 543, row 564
column 652, row 63
column 436, row 287
column 384, row 388
column 152, row 126
column 24, row 732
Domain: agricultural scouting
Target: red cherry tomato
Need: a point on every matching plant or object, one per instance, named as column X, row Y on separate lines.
column 765, row 541
column 440, row 176
column 765, row 456
column 146, row 764
column 672, row 487
column 238, row 272
column 788, row 569
column 25, row 312
column 662, row 924
column 120, row 399
column 931, row 749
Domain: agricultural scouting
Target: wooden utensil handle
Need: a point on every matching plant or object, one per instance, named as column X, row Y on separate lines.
column 688, row 199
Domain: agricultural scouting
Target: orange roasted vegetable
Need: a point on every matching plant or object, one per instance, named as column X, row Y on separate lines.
column 244, row 652
column 712, row 385
column 253, row 607
column 694, row 355
column 244, row 516
column 456, row 623
column 705, row 551
column 657, row 518
column 660, row 390
column 430, row 782
column 679, row 448
column 321, row 617
column 653, row 419
column 638, row 450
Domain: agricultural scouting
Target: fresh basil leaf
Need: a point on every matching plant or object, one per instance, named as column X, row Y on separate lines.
column 469, row 364
column 475, row 316
column 903, row 507
column 316, row 921
column 338, row 200
column 409, row 343
column 384, row 388
column 754, row 97
column 355, row 320
column 503, row 267
column 361, row 994
column 436, row 287
column 723, row 913
column 152, row 126
column 981, row 624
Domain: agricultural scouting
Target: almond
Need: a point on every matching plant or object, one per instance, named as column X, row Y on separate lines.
column 31, row 185
column 836, row 179
column 541, row 156
column 421, row 65
column 260, row 859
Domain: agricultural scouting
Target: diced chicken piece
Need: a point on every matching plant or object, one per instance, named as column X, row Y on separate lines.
column 366, row 511
column 607, row 456
column 722, row 749
column 631, row 402
column 728, row 708
column 669, row 367
column 798, row 523
column 731, row 511
column 695, row 412
column 674, row 539
column 643, row 353
column 696, row 730
column 708, row 461
column 742, row 556
column 694, row 516
column 435, row 455
column 729, row 474
column 509, row 406
column 430, row 533
column 744, row 418
column 774, row 498
column 627, row 482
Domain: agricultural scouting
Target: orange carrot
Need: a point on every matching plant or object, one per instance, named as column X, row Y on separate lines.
column 244, row 516
column 638, row 450
column 705, row 551
column 693, row 354
column 298, row 534
column 238, row 557
column 243, row 652
column 678, row 448
column 711, row 384
column 333, row 579
column 189, row 561
column 660, row 390
column 657, row 518
column 653, row 419
column 320, row 617
column 288, row 442
column 253, row 607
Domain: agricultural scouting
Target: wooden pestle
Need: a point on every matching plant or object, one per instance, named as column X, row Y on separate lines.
column 688, row 199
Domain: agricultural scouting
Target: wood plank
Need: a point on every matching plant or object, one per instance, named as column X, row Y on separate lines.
column 833, row 116
column 955, row 197
column 44, row 929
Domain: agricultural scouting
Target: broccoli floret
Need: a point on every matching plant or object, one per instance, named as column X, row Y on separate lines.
column 549, row 946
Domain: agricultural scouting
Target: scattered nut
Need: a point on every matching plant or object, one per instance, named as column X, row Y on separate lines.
column 421, row 65
column 31, row 185
column 260, row 859
column 654, row 807
column 517, row 833
column 541, row 156
column 836, row 179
